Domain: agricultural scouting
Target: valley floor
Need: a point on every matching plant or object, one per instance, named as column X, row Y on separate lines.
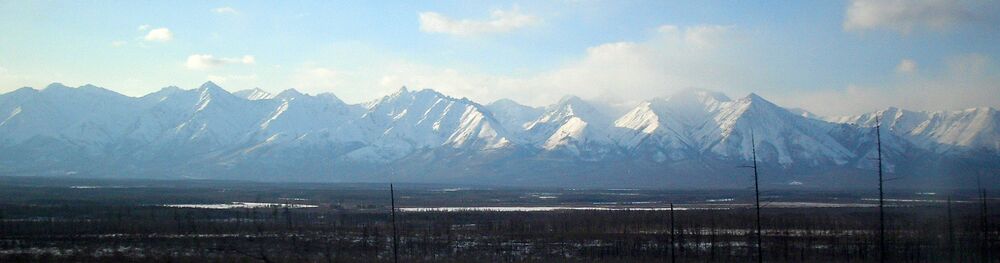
column 87, row 220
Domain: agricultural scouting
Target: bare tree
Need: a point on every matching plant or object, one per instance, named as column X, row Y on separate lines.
column 395, row 235
column 756, row 192
column 984, row 218
column 881, row 195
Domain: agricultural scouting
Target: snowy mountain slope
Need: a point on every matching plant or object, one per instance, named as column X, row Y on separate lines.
column 407, row 121
column 781, row 135
column 297, row 113
column 84, row 115
column 512, row 115
column 253, row 94
column 299, row 120
column 203, row 117
column 572, row 124
column 693, row 123
column 208, row 132
column 939, row 131
column 667, row 126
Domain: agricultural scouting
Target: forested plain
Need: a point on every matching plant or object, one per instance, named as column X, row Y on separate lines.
column 89, row 220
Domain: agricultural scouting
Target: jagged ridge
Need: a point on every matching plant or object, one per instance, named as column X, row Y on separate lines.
column 61, row 129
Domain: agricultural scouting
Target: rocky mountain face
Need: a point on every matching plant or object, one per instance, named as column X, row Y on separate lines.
column 695, row 138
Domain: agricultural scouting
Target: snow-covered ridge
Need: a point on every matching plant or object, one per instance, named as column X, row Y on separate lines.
column 253, row 94
column 408, row 121
column 940, row 131
column 214, row 127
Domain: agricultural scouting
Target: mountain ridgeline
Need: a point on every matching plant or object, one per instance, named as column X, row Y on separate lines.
column 692, row 139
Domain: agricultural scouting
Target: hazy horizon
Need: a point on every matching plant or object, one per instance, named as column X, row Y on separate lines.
column 612, row 108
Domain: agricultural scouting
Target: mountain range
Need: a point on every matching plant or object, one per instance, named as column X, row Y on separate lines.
column 691, row 139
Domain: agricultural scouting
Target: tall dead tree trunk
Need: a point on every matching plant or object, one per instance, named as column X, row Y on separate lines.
column 395, row 235
column 881, row 193
column 756, row 191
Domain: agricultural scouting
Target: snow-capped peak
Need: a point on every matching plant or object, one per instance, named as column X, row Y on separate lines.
column 700, row 95
column 407, row 121
column 570, row 106
column 759, row 102
column 402, row 91
column 253, row 94
column 330, row 97
column 56, row 85
column 512, row 115
column 289, row 94
column 941, row 131
column 209, row 85
column 570, row 100
column 570, row 124
column 209, row 91
column 506, row 103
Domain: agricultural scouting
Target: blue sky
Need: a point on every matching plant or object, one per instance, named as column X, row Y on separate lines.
column 831, row 57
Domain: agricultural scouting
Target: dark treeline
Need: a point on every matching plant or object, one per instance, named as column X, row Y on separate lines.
column 105, row 232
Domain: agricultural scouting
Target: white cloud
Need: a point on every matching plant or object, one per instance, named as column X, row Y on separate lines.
column 224, row 10
column 967, row 81
column 499, row 21
column 675, row 58
column 162, row 34
column 317, row 80
column 668, row 29
column 906, row 66
column 720, row 58
column 118, row 43
column 143, row 27
column 706, row 36
column 905, row 16
column 205, row 61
